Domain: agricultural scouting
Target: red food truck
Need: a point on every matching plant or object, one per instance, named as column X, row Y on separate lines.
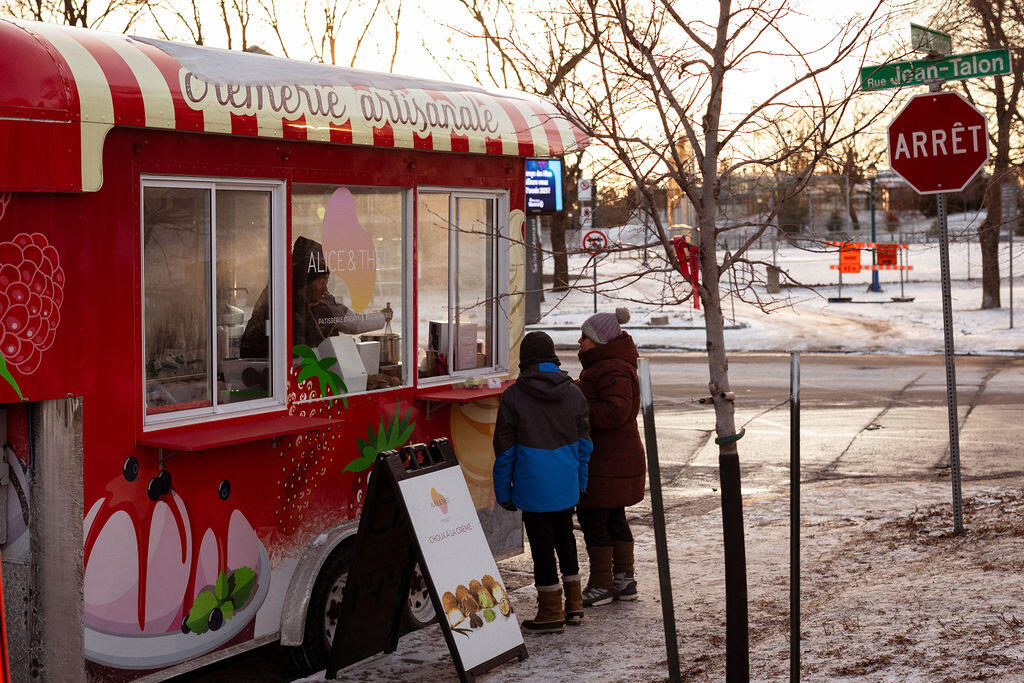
column 227, row 281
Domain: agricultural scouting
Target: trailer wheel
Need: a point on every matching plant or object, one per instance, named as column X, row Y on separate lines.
column 323, row 612
column 420, row 610
column 325, row 608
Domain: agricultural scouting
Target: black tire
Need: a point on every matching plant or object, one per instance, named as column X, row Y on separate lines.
column 325, row 606
column 419, row 610
column 322, row 615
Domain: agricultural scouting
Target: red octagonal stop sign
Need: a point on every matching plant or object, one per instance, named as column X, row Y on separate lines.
column 938, row 142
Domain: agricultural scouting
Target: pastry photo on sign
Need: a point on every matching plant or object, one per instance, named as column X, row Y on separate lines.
column 480, row 602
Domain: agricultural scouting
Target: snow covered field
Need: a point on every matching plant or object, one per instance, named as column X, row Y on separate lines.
column 802, row 319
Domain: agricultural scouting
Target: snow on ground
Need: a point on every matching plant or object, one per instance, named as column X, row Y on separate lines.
column 888, row 594
column 802, row 319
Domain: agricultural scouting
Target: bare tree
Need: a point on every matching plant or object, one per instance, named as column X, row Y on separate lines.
column 334, row 26
column 167, row 15
column 84, row 13
column 984, row 25
column 537, row 58
column 652, row 74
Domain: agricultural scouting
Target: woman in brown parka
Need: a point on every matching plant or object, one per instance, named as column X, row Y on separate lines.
column 617, row 467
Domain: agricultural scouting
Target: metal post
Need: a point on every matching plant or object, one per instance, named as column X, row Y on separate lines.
column 732, row 294
column 658, row 513
column 840, row 284
column 1013, row 227
column 534, row 286
column 947, row 330
column 874, row 273
column 902, row 262
column 794, row 517
column 595, row 283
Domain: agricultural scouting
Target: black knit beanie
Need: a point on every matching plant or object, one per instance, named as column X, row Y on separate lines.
column 537, row 347
column 307, row 262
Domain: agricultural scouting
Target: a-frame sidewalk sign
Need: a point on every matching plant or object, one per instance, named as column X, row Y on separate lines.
column 418, row 509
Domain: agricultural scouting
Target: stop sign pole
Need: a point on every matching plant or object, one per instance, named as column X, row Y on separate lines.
column 938, row 143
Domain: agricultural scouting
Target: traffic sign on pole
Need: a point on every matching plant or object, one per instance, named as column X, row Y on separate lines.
column 938, row 142
column 586, row 217
column 921, row 72
column 926, row 39
column 595, row 241
column 585, row 189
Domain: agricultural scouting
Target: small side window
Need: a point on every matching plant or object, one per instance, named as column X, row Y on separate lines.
column 460, row 323
column 209, row 295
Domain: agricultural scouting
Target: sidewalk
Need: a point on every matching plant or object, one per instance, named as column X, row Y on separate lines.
column 888, row 594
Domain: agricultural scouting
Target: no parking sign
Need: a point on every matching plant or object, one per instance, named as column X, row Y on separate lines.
column 595, row 241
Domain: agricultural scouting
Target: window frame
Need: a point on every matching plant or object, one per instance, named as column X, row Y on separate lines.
column 277, row 283
column 500, row 333
column 408, row 306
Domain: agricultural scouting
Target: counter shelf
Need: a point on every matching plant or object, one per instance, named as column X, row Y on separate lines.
column 207, row 436
column 434, row 397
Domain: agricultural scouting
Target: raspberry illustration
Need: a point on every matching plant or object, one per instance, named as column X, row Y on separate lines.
column 31, row 292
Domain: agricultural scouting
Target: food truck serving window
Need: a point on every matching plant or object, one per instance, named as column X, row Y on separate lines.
column 213, row 308
column 461, row 326
column 348, row 282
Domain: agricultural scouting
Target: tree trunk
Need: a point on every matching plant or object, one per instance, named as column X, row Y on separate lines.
column 737, row 648
column 988, row 238
column 988, row 231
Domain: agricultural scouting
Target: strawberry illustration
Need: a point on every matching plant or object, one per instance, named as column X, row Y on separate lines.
column 31, row 292
column 310, row 474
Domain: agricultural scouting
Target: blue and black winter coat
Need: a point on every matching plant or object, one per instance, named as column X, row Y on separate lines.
column 541, row 441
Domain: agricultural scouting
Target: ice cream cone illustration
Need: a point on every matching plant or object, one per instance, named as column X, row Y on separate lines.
column 439, row 500
column 348, row 248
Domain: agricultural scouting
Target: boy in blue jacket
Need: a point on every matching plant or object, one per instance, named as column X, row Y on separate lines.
column 541, row 450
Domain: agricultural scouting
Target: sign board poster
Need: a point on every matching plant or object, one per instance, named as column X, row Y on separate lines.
column 460, row 565
column 543, row 185
column 849, row 259
column 886, row 255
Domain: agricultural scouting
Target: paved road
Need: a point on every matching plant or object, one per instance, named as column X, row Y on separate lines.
column 871, row 418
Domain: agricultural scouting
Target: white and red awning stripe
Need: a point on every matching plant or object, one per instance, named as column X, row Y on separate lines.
column 115, row 80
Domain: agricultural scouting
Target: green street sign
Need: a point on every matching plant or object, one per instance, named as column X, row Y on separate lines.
column 920, row 72
column 927, row 39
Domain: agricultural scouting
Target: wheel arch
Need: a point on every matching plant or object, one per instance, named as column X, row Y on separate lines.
column 300, row 587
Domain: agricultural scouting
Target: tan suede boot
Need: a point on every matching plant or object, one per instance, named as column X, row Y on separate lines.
column 573, row 599
column 622, row 570
column 600, row 586
column 550, row 615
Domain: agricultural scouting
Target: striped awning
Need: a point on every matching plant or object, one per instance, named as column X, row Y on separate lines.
column 92, row 81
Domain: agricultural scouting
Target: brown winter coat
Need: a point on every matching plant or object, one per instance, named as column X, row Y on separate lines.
column 617, row 465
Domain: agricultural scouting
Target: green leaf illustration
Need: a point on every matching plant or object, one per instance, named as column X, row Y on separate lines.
column 227, row 609
column 242, row 580
column 392, row 432
column 220, row 589
column 326, row 363
column 308, row 372
column 199, row 616
column 303, row 351
column 6, row 374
